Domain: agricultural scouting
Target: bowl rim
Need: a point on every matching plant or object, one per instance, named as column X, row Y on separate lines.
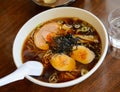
column 79, row 79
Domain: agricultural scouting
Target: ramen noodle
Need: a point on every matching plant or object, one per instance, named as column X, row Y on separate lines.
column 67, row 47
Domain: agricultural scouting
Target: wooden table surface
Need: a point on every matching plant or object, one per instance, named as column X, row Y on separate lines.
column 14, row 13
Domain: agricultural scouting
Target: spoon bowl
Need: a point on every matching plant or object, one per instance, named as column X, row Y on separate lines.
column 29, row 68
column 35, row 66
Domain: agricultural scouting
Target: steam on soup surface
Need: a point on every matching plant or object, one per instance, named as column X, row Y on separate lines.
column 67, row 47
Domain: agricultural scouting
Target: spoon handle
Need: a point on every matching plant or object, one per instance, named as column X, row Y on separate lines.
column 28, row 68
column 19, row 74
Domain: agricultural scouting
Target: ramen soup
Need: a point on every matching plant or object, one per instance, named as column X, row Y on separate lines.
column 67, row 47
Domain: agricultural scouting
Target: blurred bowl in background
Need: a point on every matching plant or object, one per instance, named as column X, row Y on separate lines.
column 56, row 3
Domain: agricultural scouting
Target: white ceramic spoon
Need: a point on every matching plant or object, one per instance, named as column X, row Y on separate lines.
column 29, row 68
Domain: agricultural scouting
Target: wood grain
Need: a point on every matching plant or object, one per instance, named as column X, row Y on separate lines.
column 14, row 13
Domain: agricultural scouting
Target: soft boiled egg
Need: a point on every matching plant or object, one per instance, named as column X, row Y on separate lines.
column 62, row 62
column 82, row 54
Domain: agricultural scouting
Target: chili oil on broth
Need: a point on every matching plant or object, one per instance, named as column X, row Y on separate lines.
column 72, row 36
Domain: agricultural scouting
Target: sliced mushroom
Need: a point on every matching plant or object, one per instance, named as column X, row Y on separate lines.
column 88, row 38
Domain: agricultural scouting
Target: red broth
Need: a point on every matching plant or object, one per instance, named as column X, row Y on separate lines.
column 63, row 42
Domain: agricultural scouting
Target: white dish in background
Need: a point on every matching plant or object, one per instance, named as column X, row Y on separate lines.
column 55, row 13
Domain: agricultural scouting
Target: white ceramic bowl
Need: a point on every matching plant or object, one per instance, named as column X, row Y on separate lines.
column 55, row 13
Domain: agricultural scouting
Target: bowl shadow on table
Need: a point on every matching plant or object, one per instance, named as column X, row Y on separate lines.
column 79, row 3
column 38, row 8
column 75, row 88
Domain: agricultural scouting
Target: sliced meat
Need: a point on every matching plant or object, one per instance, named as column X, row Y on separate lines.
column 40, row 37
